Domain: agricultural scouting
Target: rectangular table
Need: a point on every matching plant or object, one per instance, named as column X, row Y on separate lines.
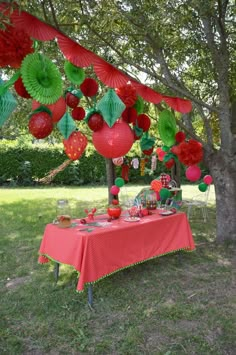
column 116, row 245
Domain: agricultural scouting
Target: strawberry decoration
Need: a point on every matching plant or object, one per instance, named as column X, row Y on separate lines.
column 75, row 145
column 71, row 100
column 20, row 89
column 40, row 124
column 148, row 151
column 95, row 122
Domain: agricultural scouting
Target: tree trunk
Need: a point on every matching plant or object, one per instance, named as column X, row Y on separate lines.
column 223, row 171
column 110, row 172
column 175, row 173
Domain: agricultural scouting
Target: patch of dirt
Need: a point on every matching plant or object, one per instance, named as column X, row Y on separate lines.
column 18, row 281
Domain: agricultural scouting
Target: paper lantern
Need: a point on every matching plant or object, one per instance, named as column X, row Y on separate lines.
column 156, row 185
column 193, row 173
column 114, row 190
column 202, row 187
column 57, row 109
column 71, row 100
column 118, row 161
column 75, row 145
column 113, row 142
column 20, row 89
column 208, row 179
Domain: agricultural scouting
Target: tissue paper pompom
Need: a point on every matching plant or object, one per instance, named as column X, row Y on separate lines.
column 89, row 87
column 127, row 94
column 180, row 136
column 190, row 153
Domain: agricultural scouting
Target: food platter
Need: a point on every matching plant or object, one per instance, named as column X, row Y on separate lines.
column 166, row 213
column 132, row 219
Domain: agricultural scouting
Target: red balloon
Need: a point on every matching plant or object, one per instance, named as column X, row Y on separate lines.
column 208, row 179
column 115, row 141
column 40, row 125
column 193, row 173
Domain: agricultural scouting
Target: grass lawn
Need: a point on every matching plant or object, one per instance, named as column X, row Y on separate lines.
column 164, row 306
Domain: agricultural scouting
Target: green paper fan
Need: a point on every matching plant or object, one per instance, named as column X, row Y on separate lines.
column 66, row 125
column 41, row 78
column 75, row 74
column 7, row 105
column 167, row 128
column 111, row 107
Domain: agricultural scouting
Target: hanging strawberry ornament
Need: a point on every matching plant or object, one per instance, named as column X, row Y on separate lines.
column 75, row 145
column 73, row 97
column 40, row 123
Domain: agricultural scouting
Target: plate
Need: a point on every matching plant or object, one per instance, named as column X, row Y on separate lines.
column 166, row 213
column 132, row 219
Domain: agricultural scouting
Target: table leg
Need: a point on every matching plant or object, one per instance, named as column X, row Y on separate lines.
column 56, row 271
column 90, row 295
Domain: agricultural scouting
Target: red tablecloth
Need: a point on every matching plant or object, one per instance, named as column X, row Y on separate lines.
column 119, row 244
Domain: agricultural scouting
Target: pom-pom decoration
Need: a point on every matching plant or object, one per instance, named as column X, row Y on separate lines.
column 78, row 113
column 40, row 124
column 114, row 190
column 118, row 161
column 208, row 179
column 111, row 107
column 7, row 105
column 89, row 87
column 66, row 125
column 20, row 89
column 144, row 122
column 127, row 94
column 167, row 127
column 14, row 46
column 193, row 173
column 202, row 187
column 75, row 74
column 189, row 153
column 95, row 122
column 57, row 109
column 75, row 145
column 180, row 137
column 119, row 182
column 41, row 78
column 129, row 115
column 156, row 185
column 113, row 142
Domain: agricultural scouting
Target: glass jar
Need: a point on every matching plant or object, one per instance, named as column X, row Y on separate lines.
column 151, row 201
column 63, row 208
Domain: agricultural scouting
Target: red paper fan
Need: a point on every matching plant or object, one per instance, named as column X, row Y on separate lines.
column 108, row 74
column 33, row 26
column 75, row 53
column 147, row 93
column 178, row 104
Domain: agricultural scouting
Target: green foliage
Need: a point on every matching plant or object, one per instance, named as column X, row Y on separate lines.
column 30, row 162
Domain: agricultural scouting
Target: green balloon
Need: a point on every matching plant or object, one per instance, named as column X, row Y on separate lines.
column 119, row 182
column 202, row 187
column 164, row 193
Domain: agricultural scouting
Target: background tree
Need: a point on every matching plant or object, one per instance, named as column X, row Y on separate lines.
column 181, row 47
